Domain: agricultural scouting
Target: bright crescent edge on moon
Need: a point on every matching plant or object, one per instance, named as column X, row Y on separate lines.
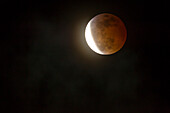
column 90, row 40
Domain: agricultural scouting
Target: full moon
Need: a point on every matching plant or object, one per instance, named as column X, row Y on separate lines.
column 105, row 34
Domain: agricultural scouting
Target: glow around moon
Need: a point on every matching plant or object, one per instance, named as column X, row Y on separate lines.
column 105, row 34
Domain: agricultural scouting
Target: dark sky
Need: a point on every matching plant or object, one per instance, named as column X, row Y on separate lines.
column 47, row 66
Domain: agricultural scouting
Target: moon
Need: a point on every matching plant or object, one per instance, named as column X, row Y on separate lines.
column 105, row 34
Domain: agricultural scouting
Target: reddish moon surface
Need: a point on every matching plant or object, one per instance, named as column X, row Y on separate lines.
column 107, row 32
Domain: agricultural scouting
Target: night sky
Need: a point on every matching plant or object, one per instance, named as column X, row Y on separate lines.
column 47, row 67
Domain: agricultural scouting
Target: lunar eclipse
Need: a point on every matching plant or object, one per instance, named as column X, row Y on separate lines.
column 105, row 34
column 85, row 56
